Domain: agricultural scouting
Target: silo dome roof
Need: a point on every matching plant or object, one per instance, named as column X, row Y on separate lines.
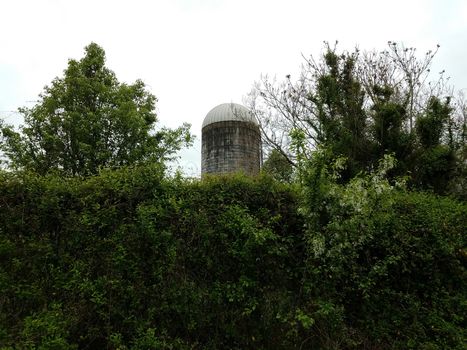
column 227, row 112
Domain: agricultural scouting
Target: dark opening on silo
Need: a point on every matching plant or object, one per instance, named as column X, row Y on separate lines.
column 230, row 140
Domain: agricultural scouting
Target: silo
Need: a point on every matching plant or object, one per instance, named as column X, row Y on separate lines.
column 230, row 140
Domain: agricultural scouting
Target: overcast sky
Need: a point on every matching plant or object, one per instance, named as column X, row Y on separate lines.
column 196, row 54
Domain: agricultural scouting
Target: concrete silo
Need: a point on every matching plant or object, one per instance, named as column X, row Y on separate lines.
column 230, row 140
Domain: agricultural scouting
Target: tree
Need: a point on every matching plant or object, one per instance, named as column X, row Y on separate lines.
column 339, row 103
column 87, row 120
column 327, row 104
column 361, row 106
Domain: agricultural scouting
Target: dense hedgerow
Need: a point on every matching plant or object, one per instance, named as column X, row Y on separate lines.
column 131, row 259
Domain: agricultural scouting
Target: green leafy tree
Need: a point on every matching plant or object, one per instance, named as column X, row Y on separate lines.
column 87, row 120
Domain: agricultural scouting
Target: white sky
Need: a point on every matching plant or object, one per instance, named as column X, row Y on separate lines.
column 196, row 54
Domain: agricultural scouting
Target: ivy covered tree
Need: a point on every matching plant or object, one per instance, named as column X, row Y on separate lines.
column 338, row 101
column 361, row 106
column 435, row 161
column 87, row 120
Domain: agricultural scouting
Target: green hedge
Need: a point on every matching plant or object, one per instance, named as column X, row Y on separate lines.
column 130, row 259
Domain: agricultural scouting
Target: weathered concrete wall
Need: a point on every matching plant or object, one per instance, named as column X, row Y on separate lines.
column 230, row 146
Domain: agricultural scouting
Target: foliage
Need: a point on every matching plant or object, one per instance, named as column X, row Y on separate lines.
column 130, row 259
column 329, row 248
column 362, row 105
column 391, row 263
column 88, row 120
